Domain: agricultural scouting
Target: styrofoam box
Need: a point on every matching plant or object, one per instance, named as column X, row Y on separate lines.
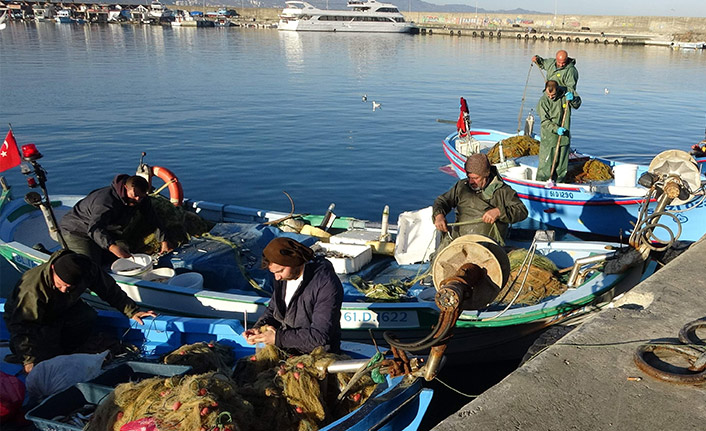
column 359, row 256
column 355, row 236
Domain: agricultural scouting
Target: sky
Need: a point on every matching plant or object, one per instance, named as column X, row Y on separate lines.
column 690, row 8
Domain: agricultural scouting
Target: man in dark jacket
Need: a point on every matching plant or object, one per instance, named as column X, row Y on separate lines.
column 562, row 70
column 46, row 316
column 554, row 110
column 94, row 226
column 305, row 309
column 484, row 204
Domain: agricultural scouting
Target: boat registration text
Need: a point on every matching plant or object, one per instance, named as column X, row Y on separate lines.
column 381, row 319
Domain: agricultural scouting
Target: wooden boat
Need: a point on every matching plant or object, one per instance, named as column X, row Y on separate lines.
column 399, row 403
column 608, row 208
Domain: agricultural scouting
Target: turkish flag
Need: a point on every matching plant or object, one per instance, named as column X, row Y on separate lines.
column 9, row 155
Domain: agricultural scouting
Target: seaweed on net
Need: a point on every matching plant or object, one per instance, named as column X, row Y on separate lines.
column 590, row 170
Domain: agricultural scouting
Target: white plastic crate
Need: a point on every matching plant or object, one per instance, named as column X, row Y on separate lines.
column 355, row 256
column 355, row 236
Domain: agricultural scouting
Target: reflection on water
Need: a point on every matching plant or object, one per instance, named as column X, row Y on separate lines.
column 242, row 114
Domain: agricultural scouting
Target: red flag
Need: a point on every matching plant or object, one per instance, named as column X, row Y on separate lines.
column 9, row 155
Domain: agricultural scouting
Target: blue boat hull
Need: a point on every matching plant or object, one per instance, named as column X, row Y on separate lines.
column 576, row 208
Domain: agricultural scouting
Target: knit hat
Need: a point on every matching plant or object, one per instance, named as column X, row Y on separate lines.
column 478, row 164
column 70, row 268
column 287, row 252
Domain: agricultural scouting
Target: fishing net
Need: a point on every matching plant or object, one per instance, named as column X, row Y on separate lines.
column 591, row 170
column 202, row 357
column 268, row 391
column 180, row 226
column 540, row 283
column 394, row 290
column 513, row 147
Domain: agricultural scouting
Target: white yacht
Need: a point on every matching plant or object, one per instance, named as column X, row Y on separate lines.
column 362, row 16
column 159, row 10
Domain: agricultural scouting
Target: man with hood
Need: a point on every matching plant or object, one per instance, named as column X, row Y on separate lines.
column 45, row 314
column 484, row 204
column 305, row 309
column 94, row 226
column 562, row 70
column 554, row 110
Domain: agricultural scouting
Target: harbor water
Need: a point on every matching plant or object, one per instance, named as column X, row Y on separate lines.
column 241, row 115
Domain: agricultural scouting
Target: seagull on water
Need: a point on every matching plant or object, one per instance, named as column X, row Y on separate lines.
column 606, row 91
column 365, row 98
column 376, row 105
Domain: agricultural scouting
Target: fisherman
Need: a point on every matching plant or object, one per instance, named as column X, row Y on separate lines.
column 46, row 316
column 305, row 309
column 562, row 70
column 95, row 225
column 554, row 110
column 484, row 204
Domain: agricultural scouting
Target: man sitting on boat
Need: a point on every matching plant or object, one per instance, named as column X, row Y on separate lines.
column 46, row 316
column 562, row 69
column 95, row 225
column 554, row 110
column 484, row 204
column 305, row 309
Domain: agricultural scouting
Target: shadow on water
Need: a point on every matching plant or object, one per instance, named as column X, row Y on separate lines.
column 467, row 379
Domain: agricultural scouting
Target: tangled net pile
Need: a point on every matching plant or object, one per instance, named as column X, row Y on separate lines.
column 541, row 282
column 590, row 170
column 267, row 391
column 515, row 146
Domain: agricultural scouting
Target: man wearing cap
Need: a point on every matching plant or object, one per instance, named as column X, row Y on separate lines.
column 95, row 225
column 305, row 309
column 484, row 204
column 46, row 316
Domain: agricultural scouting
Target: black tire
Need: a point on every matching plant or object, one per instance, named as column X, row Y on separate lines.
column 451, row 33
column 551, row 38
column 498, row 35
column 534, row 37
column 526, row 36
column 490, row 34
column 519, row 36
column 475, row 34
column 577, row 40
column 459, row 33
column 587, row 40
column 596, row 40
column 541, row 38
column 616, row 42
column 482, row 33
column 605, row 42
column 559, row 38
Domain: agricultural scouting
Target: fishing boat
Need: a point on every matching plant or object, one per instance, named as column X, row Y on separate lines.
column 398, row 403
column 382, row 292
column 158, row 11
column 367, row 16
column 609, row 208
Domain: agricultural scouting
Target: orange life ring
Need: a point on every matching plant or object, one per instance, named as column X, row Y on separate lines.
column 176, row 192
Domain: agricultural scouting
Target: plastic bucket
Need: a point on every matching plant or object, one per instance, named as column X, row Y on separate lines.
column 625, row 175
column 135, row 265
column 158, row 275
column 191, row 280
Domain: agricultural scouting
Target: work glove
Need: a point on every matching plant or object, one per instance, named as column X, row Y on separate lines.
column 562, row 131
column 569, row 96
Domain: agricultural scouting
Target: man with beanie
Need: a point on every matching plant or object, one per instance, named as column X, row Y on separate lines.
column 484, row 204
column 46, row 316
column 95, row 225
column 305, row 309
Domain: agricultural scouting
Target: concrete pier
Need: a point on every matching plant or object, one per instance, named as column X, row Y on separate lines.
column 588, row 380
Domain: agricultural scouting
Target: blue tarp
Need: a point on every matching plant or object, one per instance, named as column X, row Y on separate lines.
column 196, row 13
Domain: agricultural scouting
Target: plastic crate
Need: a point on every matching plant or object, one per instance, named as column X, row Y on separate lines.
column 134, row 371
column 64, row 403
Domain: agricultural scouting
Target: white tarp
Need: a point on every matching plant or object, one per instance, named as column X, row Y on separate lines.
column 417, row 238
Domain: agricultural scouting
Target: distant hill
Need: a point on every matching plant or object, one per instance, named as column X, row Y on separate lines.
column 403, row 5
